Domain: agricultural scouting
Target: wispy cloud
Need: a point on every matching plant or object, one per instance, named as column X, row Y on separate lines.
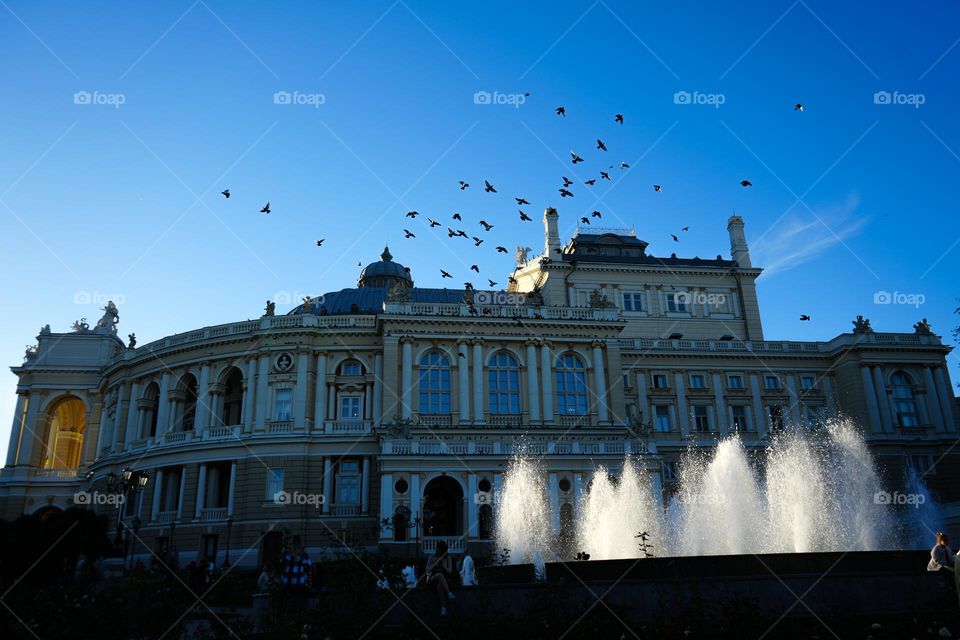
column 798, row 239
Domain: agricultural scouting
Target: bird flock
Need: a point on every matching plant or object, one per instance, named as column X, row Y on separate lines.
column 564, row 191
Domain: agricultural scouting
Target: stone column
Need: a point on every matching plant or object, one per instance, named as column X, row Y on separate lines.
column 644, row 408
column 263, row 368
column 386, row 504
column 157, row 494
column 759, row 416
column 554, row 503
column 377, row 411
column 473, row 513
column 883, row 400
column 546, row 381
column 533, row 384
column 119, row 416
column 300, row 390
column 365, row 486
column 794, row 399
column 202, row 416
column 870, row 396
column 945, row 393
column 406, row 377
column 15, row 431
column 327, row 484
column 415, row 497
column 577, row 495
column 102, row 435
column 163, row 406
column 463, row 382
column 718, row 403
column 183, row 491
column 683, row 416
column 600, row 382
column 231, row 492
column 249, row 389
column 478, row 414
column 201, row 492
column 933, row 401
column 828, row 393
column 332, row 402
column 133, row 416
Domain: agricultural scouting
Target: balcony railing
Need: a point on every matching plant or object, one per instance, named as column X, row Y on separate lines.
column 213, row 513
column 506, row 421
column 56, row 473
column 651, row 344
column 166, row 517
column 435, row 421
column 177, row 436
column 345, row 510
column 280, row 427
column 221, row 433
column 455, row 544
column 347, row 426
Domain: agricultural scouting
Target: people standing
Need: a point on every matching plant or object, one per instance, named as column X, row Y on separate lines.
column 440, row 574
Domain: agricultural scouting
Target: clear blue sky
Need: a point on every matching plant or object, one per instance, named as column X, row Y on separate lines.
column 104, row 200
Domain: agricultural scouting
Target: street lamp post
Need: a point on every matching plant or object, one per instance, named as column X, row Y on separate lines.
column 133, row 543
column 126, row 486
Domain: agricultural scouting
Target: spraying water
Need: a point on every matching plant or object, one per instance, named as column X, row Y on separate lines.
column 815, row 492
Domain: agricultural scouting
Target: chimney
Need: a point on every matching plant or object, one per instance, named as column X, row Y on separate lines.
column 738, row 242
column 551, row 233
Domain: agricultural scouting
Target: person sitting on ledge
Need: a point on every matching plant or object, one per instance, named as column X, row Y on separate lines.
column 440, row 573
column 941, row 556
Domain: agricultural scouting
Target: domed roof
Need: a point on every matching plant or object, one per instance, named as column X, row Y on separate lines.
column 385, row 273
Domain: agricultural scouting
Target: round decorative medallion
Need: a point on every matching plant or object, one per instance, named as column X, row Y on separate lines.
column 283, row 362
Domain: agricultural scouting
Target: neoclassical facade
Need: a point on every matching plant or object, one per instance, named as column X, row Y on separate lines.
column 388, row 413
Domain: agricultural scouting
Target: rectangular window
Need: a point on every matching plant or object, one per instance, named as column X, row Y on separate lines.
column 659, row 381
column 701, row 420
column 807, row 382
column 735, row 381
column 771, row 382
column 669, row 472
column 633, row 301
column 350, row 408
column 274, row 483
column 813, row 415
column 677, row 301
column 663, row 417
column 348, row 489
column 351, row 369
column 283, row 405
column 739, row 413
column 698, row 381
column 775, row 412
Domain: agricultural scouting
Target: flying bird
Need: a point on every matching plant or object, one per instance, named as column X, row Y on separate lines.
column 561, row 111
column 798, row 107
column 491, row 282
column 566, row 181
column 618, row 118
column 576, row 158
column 408, row 234
column 444, row 274
column 804, row 318
column 524, row 217
column 511, row 280
column 657, row 188
column 474, row 267
column 486, row 225
column 266, row 208
column 320, row 242
column 600, row 145
column 451, row 233
column 596, row 214
column 585, row 220
column 521, row 201
column 464, row 185
column 565, row 194
column 591, row 181
column 433, row 223
column 456, row 216
column 477, row 241
column 624, row 165
column 604, row 175
column 225, row 193
column 675, row 238
column 746, row 183
column 685, row 229
column 489, row 187
column 412, row 214
column 462, row 233
column 501, row 249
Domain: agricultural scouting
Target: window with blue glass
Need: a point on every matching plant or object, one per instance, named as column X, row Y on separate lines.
column 571, row 376
column 503, row 384
column 434, row 383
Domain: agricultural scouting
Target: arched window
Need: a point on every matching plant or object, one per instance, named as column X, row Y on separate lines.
column 151, row 401
column 350, row 368
column 188, row 413
column 904, row 402
column 232, row 398
column 66, row 423
column 571, row 378
column 434, row 383
column 503, row 384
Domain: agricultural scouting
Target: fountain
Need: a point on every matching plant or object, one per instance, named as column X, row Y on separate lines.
column 818, row 491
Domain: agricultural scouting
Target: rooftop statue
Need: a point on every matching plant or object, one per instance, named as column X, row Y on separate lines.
column 45, row 330
column 110, row 319
column 271, row 308
column 862, row 325
column 598, row 300
column 399, row 292
column 522, row 255
column 81, row 326
column 133, row 340
column 922, row 328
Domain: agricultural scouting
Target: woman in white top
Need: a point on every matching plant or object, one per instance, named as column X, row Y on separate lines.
column 941, row 556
